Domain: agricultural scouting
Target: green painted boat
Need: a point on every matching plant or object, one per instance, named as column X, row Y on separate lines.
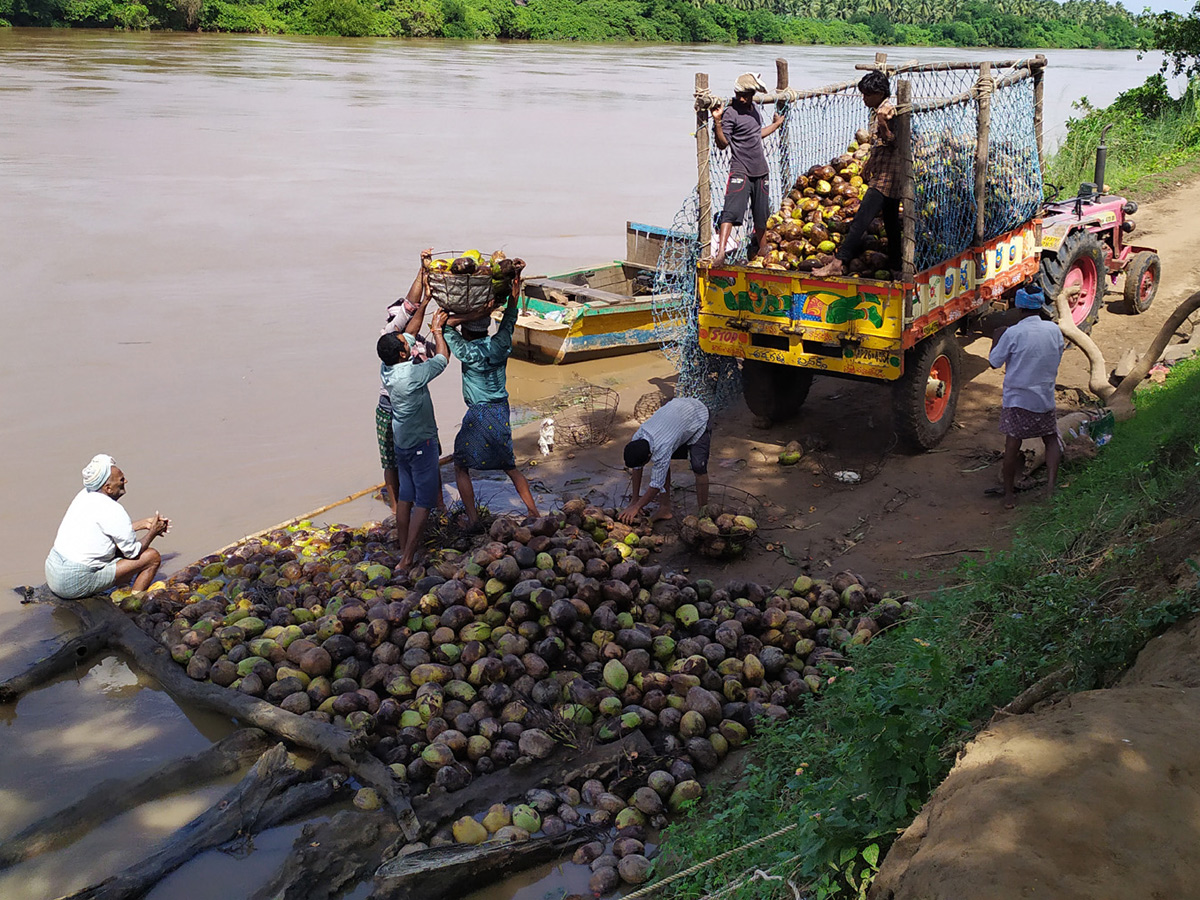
column 605, row 310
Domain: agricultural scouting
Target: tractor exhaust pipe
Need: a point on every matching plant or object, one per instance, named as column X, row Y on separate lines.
column 1101, row 159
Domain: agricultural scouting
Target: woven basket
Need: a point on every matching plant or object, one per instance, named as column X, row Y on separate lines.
column 464, row 294
column 722, row 499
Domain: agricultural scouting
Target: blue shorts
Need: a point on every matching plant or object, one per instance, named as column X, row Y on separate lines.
column 420, row 480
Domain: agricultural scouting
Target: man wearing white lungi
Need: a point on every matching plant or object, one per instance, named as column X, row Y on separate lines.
column 97, row 544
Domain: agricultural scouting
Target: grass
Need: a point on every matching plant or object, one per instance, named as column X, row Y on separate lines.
column 1089, row 579
column 1152, row 136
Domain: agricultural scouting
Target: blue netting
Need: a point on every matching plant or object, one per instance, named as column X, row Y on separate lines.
column 943, row 183
column 716, row 380
column 1014, row 175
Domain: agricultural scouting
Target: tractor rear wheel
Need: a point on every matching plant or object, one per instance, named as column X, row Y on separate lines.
column 774, row 391
column 1141, row 281
column 926, row 395
column 1079, row 262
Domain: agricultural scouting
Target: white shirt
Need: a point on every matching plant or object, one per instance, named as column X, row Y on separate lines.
column 678, row 422
column 95, row 527
column 1031, row 350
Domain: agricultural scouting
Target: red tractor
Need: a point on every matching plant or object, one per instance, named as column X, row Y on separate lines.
column 1084, row 241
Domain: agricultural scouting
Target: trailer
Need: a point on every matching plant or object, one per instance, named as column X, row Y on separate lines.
column 970, row 139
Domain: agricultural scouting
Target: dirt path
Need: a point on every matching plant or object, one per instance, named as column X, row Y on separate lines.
column 912, row 518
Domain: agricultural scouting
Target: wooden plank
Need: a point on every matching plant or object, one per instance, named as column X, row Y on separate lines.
column 594, row 294
column 702, row 171
column 982, row 139
column 908, row 237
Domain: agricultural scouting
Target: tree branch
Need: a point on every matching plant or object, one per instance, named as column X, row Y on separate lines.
column 65, row 659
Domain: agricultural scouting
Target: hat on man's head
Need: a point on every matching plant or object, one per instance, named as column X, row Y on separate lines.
column 1030, row 297
column 750, row 82
column 96, row 473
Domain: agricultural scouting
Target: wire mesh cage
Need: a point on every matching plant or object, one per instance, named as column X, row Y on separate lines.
column 584, row 414
column 725, row 526
column 648, row 404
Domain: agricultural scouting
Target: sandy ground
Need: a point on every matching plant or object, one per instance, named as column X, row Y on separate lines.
column 913, row 518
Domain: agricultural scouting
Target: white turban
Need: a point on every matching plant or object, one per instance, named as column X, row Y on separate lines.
column 97, row 472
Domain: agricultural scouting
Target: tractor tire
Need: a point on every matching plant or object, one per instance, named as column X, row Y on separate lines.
column 1080, row 260
column 926, row 395
column 1141, row 281
column 773, row 391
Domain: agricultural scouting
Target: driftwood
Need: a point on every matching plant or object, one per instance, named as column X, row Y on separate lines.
column 154, row 660
column 65, row 659
column 111, row 798
column 329, row 857
column 299, row 800
column 1120, row 398
column 1037, row 692
column 445, row 873
column 237, row 812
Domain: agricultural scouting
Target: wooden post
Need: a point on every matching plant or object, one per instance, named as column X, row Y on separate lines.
column 908, row 239
column 881, row 62
column 704, row 226
column 1039, row 70
column 982, row 137
column 787, row 175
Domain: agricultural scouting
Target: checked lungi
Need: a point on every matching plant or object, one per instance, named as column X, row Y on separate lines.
column 485, row 440
column 1022, row 424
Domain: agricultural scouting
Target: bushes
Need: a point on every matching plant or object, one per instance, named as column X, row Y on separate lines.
column 1151, row 132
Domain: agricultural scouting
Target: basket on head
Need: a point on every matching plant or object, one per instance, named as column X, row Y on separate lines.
column 464, row 294
column 584, row 413
column 729, row 523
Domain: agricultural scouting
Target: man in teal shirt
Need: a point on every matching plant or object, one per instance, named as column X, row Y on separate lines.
column 413, row 429
column 485, row 440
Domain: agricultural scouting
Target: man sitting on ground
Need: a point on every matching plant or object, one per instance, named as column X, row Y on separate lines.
column 680, row 429
column 96, row 546
column 414, row 430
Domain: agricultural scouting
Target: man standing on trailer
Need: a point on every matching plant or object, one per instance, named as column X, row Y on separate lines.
column 680, row 429
column 1030, row 351
column 881, row 174
column 740, row 129
column 484, row 441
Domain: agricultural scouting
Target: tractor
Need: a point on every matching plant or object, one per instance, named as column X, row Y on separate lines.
column 1084, row 242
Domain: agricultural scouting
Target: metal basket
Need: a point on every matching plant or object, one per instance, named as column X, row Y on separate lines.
column 730, row 542
column 584, row 414
column 465, row 294
column 648, row 405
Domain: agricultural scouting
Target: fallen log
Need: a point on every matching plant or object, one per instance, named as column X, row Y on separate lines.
column 564, row 765
column 329, row 857
column 153, row 659
column 117, row 795
column 299, row 800
column 235, row 813
column 65, row 659
column 324, row 861
column 444, row 873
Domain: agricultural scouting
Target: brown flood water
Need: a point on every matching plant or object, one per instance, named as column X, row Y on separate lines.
column 198, row 237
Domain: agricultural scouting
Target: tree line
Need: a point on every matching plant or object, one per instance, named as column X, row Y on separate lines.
column 998, row 23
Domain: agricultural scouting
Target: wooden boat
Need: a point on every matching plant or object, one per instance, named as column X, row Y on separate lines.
column 601, row 311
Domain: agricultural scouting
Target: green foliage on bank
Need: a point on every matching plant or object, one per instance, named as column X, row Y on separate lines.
column 1085, row 584
column 999, row 23
column 1150, row 133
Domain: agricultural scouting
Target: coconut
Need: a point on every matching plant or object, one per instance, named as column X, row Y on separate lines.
column 527, row 818
column 635, row 869
column 468, row 831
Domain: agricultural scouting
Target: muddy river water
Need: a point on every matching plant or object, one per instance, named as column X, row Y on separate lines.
column 198, row 237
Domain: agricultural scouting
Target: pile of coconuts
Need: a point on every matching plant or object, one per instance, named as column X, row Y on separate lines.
column 814, row 215
column 554, row 631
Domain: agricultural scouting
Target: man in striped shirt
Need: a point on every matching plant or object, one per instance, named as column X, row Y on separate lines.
column 681, row 429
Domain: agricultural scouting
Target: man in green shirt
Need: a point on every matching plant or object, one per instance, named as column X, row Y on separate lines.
column 485, row 440
column 414, row 430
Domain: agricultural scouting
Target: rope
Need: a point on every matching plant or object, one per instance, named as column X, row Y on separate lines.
column 651, row 888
